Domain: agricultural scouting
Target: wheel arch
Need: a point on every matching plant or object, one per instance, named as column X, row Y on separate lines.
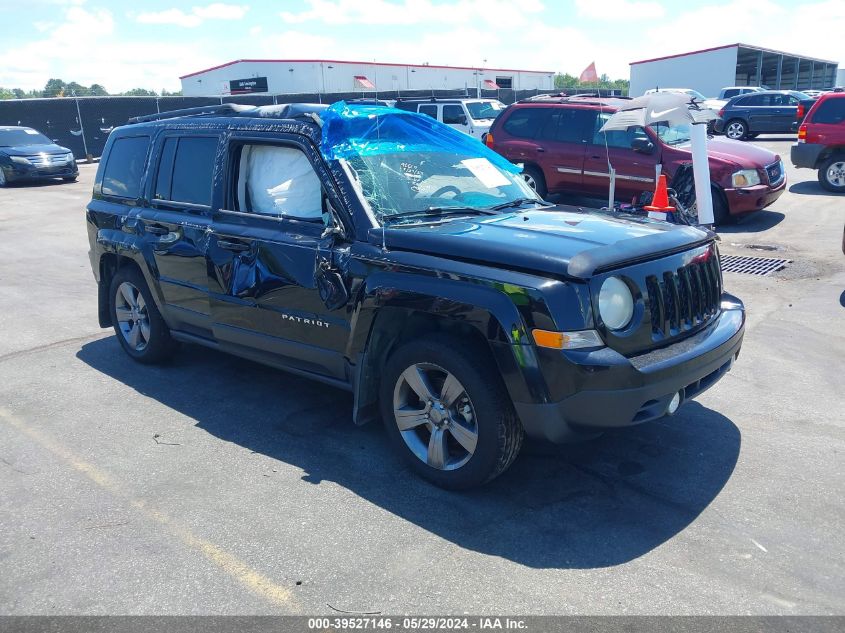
column 485, row 317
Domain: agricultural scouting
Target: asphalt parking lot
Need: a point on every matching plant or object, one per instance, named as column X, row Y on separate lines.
column 217, row 486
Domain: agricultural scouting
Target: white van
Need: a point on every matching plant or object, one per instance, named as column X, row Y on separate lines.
column 470, row 116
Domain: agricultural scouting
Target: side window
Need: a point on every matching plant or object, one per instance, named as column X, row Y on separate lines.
column 791, row 100
column 615, row 138
column 124, row 167
column 278, row 181
column 830, row 111
column 192, row 170
column 430, row 110
column 526, row 122
column 731, row 93
column 454, row 114
column 577, row 126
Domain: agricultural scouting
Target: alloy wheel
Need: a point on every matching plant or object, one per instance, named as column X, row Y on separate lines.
column 2, row 178
column 435, row 416
column 836, row 174
column 530, row 180
column 132, row 317
column 735, row 131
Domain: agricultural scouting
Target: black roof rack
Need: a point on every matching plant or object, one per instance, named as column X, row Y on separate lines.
column 280, row 111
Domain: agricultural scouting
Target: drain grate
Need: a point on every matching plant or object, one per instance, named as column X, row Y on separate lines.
column 752, row 265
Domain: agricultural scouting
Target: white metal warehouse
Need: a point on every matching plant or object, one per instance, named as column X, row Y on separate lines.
column 289, row 76
column 712, row 69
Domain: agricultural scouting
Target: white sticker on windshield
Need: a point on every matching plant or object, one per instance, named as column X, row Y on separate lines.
column 486, row 172
column 30, row 131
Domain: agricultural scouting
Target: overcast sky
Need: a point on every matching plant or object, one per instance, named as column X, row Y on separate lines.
column 122, row 44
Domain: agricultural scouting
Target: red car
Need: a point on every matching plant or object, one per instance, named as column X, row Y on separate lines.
column 558, row 141
column 821, row 141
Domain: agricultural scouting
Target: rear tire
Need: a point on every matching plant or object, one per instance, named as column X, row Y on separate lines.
column 535, row 179
column 459, row 429
column 832, row 174
column 139, row 326
column 736, row 129
column 70, row 178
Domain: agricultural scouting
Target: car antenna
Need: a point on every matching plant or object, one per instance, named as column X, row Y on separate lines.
column 383, row 228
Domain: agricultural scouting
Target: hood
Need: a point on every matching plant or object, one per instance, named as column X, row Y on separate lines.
column 559, row 242
column 29, row 150
column 725, row 150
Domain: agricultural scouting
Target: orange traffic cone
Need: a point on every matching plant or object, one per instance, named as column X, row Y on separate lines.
column 660, row 206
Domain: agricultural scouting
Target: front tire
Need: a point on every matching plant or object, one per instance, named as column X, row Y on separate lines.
column 736, row 129
column 832, row 174
column 139, row 326
column 70, row 178
column 447, row 412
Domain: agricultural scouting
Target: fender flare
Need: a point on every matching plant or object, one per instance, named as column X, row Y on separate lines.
column 388, row 299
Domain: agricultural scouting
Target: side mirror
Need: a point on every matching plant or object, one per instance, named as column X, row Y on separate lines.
column 642, row 145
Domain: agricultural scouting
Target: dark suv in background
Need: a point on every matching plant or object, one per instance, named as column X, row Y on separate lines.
column 764, row 112
column 432, row 283
column 27, row 155
column 558, row 141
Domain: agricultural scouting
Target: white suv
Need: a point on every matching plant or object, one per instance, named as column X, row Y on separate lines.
column 470, row 116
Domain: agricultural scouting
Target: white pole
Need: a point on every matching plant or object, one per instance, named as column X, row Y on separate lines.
column 701, row 172
column 611, row 193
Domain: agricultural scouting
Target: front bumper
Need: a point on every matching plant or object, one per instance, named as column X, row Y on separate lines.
column 805, row 154
column 749, row 199
column 641, row 387
column 20, row 173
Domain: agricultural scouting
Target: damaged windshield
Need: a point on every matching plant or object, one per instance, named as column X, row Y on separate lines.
column 411, row 182
column 672, row 134
column 409, row 166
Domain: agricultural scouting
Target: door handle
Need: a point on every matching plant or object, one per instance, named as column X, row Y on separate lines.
column 540, row 150
column 233, row 246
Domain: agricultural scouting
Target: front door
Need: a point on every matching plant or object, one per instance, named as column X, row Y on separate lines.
column 635, row 172
column 176, row 224
column 454, row 116
column 562, row 143
column 267, row 249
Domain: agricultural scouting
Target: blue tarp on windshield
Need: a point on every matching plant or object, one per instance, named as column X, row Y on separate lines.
column 351, row 130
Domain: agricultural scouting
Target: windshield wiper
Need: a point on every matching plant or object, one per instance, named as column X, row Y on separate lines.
column 519, row 202
column 438, row 212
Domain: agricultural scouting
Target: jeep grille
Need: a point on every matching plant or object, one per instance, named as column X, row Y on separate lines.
column 685, row 298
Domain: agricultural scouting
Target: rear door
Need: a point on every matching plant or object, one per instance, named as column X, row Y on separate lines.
column 176, row 222
column 267, row 245
column 785, row 110
column 430, row 109
column 635, row 172
column 562, row 143
column 759, row 110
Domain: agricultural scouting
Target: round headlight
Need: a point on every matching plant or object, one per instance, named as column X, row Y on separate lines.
column 616, row 304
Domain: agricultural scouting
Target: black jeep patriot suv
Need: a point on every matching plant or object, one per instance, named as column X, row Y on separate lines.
column 382, row 252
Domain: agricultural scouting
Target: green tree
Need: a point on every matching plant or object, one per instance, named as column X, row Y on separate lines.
column 140, row 92
column 96, row 90
column 19, row 94
column 166, row 93
column 5, row 93
column 76, row 89
column 54, row 88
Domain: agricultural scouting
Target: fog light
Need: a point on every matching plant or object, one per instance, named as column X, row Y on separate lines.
column 674, row 403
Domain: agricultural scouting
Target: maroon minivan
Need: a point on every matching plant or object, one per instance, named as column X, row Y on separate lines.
column 558, row 141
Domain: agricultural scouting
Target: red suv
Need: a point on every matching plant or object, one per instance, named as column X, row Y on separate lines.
column 558, row 141
column 821, row 141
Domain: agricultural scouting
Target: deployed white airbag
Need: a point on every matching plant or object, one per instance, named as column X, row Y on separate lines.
column 280, row 181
